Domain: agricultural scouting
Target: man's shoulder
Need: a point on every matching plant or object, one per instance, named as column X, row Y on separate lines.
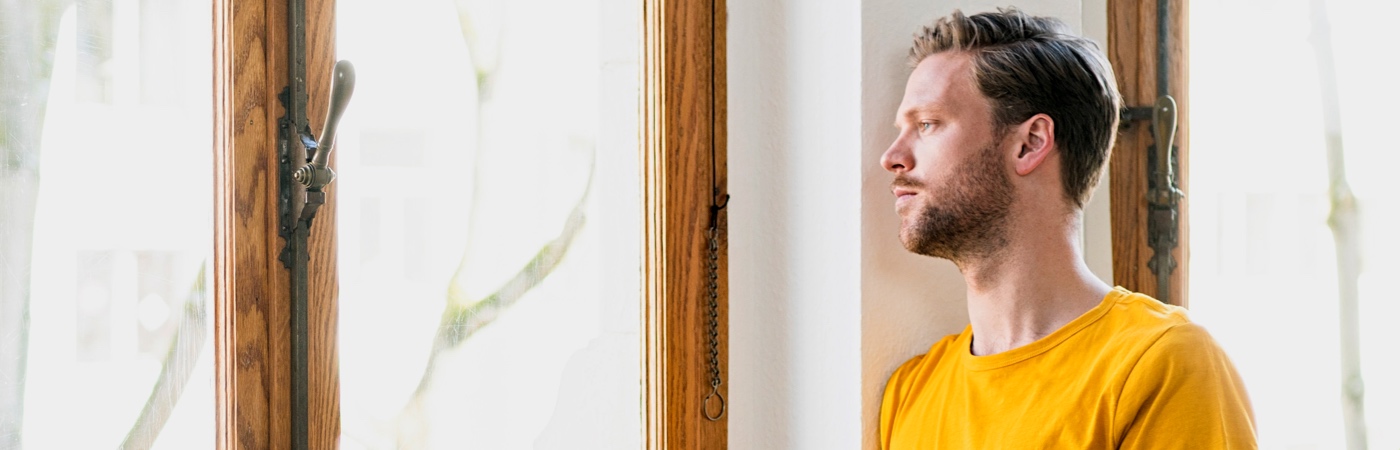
column 1183, row 381
column 921, row 363
column 1134, row 333
column 1162, row 335
column 915, row 372
column 944, row 348
column 1136, row 317
column 1186, row 347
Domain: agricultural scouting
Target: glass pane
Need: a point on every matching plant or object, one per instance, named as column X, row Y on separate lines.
column 489, row 204
column 105, row 224
column 1264, row 275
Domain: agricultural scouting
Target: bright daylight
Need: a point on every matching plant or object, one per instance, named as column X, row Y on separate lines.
column 488, row 231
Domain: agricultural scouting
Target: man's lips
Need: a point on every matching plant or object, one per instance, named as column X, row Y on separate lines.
column 902, row 196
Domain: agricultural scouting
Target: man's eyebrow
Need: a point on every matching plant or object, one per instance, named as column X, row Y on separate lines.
column 908, row 114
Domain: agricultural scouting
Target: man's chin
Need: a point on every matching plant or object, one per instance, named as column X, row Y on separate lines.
column 906, row 235
column 923, row 244
column 912, row 242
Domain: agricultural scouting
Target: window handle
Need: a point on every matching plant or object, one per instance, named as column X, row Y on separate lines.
column 1163, row 197
column 1164, row 132
column 317, row 173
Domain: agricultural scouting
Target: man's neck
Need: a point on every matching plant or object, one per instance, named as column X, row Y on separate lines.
column 1036, row 285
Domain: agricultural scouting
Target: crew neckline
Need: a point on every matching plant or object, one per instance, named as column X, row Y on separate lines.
column 1041, row 345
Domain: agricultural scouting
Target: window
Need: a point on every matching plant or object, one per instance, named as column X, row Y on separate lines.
column 105, row 206
column 489, row 247
column 122, row 217
column 1265, row 276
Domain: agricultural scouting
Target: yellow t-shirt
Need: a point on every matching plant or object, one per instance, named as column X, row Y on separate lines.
column 1131, row 373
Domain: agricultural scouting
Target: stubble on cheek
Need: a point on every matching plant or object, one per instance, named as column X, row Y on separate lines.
column 966, row 217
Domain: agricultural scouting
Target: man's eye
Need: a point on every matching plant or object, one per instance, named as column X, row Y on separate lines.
column 925, row 126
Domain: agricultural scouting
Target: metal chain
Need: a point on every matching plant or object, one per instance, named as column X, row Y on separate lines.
column 712, row 286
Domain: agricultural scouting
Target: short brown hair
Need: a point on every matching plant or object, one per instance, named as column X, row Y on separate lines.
column 1028, row 65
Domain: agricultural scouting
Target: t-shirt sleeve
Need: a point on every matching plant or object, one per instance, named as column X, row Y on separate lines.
column 1185, row 394
column 894, row 393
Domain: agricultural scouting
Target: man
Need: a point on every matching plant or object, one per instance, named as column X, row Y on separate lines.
column 1006, row 124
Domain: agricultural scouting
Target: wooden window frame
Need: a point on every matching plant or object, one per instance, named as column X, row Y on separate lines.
column 252, row 364
column 1132, row 50
column 683, row 159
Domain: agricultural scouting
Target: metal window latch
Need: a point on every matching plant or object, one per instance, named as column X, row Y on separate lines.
column 1163, row 197
column 312, row 176
column 316, row 174
column 304, row 172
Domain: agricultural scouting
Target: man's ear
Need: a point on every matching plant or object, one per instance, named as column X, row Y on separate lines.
column 1036, row 138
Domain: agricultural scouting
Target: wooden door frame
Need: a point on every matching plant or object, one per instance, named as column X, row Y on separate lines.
column 683, row 159
column 1132, row 50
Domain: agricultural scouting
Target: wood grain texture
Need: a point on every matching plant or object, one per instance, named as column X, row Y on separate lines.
column 323, row 310
column 683, row 161
column 277, row 426
column 1132, row 49
column 251, row 293
column 224, row 124
column 244, row 287
column 718, row 436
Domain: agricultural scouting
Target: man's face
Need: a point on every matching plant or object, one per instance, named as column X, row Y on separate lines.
column 952, row 191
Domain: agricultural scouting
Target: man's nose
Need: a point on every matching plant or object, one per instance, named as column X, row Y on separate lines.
column 899, row 157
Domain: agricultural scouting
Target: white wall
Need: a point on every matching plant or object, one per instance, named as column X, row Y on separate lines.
column 824, row 301
column 1098, row 242
column 794, row 218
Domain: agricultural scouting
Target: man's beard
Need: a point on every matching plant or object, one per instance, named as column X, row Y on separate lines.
column 966, row 219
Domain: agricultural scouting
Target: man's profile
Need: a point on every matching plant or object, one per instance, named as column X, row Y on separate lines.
column 1005, row 127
